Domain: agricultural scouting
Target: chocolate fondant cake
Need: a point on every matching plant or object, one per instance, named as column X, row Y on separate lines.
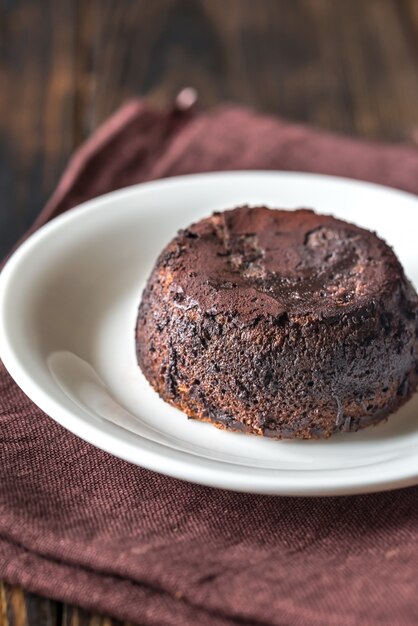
column 279, row 323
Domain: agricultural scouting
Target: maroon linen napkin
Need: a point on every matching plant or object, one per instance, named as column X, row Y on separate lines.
column 81, row 526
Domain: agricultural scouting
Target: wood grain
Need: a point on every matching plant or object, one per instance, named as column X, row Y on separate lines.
column 36, row 100
column 65, row 65
column 20, row 608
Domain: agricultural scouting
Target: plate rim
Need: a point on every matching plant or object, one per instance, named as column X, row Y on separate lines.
column 103, row 435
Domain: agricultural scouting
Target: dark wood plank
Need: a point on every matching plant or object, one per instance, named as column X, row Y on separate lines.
column 36, row 102
column 328, row 62
column 20, row 608
column 125, row 38
column 4, row 621
column 73, row 616
column 65, row 65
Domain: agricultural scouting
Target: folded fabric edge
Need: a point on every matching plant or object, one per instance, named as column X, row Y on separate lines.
column 101, row 593
column 128, row 113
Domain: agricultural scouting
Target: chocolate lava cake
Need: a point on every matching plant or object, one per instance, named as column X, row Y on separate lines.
column 280, row 323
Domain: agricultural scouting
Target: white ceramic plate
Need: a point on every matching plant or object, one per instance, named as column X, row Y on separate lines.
column 68, row 301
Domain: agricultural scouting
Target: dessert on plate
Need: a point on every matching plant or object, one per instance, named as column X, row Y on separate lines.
column 287, row 324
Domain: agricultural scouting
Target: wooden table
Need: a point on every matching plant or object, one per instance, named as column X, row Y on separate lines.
column 346, row 65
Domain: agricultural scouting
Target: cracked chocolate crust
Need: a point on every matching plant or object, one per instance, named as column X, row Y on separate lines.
column 286, row 324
